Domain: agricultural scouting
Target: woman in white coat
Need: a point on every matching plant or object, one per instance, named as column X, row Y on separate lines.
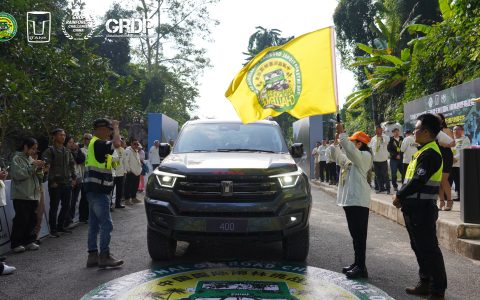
column 354, row 193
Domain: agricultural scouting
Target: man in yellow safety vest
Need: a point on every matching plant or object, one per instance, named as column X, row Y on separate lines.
column 98, row 185
column 417, row 198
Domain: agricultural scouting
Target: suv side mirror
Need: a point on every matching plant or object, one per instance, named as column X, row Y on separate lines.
column 296, row 150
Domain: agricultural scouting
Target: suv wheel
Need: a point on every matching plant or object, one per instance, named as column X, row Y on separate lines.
column 296, row 246
column 160, row 247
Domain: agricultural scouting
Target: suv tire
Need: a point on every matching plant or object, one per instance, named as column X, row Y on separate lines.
column 160, row 247
column 296, row 246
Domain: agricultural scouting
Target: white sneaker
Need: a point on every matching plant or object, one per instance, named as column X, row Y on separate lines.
column 19, row 249
column 8, row 269
column 32, row 246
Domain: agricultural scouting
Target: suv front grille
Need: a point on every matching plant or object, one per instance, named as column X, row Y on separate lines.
column 254, row 188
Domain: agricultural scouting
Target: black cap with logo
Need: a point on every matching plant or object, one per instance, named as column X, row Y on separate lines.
column 102, row 122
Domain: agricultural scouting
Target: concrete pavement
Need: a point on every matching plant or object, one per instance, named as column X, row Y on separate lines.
column 452, row 233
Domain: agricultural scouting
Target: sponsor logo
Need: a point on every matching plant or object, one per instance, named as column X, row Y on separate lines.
column 430, row 102
column 276, row 80
column 236, row 280
column 127, row 27
column 39, row 26
column 8, row 27
column 78, row 25
column 227, row 188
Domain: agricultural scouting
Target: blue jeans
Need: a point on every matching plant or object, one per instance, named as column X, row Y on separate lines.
column 99, row 220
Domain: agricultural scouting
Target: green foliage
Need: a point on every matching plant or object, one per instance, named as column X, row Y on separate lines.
column 393, row 33
column 68, row 83
column 450, row 52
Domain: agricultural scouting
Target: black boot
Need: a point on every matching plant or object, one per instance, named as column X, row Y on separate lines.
column 357, row 272
column 346, row 269
column 421, row 289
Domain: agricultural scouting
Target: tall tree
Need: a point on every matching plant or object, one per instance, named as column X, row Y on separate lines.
column 173, row 40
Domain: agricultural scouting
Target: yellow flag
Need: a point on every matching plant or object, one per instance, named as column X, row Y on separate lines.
column 298, row 78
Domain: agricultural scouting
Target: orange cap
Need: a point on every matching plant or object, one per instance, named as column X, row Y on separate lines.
column 360, row 136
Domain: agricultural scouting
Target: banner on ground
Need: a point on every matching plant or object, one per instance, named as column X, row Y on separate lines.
column 298, row 78
column 458, row 104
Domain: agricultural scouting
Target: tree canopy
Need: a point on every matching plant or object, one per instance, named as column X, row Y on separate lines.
column 68, row 83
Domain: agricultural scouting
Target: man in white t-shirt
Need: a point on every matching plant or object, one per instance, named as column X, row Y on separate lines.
column 408, row 148
column 461, row 142
column 315, row 160
column 322, row 160
column 154, row 154
column 379, row 144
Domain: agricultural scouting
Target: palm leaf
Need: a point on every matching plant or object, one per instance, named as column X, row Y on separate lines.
column 363, row 61
column 425, row 29
column 365, row 48
column 405, row 55
column 358, row 97
column 445, row 9
column 393, row 59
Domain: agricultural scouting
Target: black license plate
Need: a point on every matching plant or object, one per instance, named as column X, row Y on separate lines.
column 226, row 225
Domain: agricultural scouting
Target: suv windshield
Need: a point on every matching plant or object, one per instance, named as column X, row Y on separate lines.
column 224, row 137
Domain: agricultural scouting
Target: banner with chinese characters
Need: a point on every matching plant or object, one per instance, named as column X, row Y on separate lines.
column 456, row 103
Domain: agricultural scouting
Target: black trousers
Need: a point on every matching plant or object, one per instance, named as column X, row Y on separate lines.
column 357, row 219
column 332, row 172
column 405, row 166
column 61, row 194
column 83, row 206
column 421, row 227
column 131, row 185
column 381, row 175
column 323, row 170
column 118, row 183
column 73, row 203
column 455, row 177
column 23, row 229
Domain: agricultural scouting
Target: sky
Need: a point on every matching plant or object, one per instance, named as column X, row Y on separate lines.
column 238, row 19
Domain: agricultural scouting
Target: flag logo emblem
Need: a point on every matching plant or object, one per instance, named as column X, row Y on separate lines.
column 276, row 80
column 8, row 27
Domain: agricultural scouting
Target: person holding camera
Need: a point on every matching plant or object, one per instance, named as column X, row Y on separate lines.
column 27, row 175
column 61, row 179
column 354, row 193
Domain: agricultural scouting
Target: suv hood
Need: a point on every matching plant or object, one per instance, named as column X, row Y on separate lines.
column 272, row 163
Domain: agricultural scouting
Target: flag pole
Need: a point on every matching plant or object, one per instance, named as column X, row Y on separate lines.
column 334, row 64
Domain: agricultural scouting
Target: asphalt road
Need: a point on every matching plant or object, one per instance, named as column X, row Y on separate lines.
column 57, row 270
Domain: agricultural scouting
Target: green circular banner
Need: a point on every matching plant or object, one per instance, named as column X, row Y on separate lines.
column 276, row 80
column 8, row 27
column 236, row 280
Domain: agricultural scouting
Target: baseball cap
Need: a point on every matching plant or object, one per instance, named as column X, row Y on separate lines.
column 360, row 136
column 102, row 122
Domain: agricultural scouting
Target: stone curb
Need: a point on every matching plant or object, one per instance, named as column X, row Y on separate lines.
column 461, row 238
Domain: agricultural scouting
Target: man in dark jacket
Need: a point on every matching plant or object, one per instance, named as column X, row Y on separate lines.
column 417, row 198
column 396, row 158
column 61, row 178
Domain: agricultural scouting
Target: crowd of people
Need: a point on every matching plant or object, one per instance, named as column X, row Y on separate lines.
column 391, row 156
column 65, row 165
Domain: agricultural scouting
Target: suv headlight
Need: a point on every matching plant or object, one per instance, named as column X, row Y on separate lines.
column 166, row 179
column 288, row 180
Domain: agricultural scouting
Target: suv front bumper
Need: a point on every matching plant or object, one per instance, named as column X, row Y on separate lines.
column 258, row 224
